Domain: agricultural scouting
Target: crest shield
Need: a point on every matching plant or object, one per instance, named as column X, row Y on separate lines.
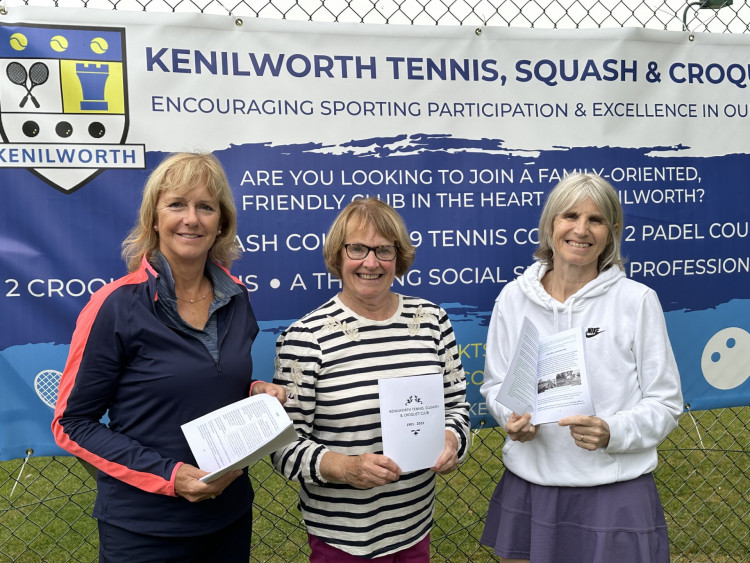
column 63, row 102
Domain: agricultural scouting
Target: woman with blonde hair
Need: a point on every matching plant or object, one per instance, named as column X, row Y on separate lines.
column 165, row 344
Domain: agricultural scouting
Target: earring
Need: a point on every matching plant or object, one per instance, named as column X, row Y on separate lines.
column 156, row 228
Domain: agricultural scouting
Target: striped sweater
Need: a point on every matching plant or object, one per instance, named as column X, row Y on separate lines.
column 330, row 361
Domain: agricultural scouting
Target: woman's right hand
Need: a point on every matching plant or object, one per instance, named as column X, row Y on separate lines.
column 187, row 483
column 371, row 470
column 363, row 471
column 520, row 429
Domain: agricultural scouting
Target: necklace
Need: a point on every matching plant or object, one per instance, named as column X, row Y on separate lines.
column 191, row 301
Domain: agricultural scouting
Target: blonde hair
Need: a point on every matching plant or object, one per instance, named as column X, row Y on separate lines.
column 386, row 221
column 180, row 173
column 569, row 192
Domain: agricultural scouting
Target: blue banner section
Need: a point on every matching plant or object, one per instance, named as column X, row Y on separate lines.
column 282, row 235
column 28, row 388
column 86, row 43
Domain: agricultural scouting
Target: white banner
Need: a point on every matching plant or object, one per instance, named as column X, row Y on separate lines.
column 462, row 130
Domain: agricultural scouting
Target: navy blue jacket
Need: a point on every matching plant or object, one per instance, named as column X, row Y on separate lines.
column 150, row 378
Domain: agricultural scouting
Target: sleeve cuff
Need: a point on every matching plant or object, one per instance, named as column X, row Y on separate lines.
column 173, row 479
column 462, row 443
column 253, row 385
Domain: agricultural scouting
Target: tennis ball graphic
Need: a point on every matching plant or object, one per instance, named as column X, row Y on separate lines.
column 18, row 41
column 99, row 45
column 58, row 43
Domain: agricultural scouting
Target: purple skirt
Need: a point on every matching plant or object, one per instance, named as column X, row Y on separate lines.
column 615, row 522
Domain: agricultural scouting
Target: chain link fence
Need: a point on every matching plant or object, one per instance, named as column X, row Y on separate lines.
column 704, row 470
column 703, row 478
column 715, row 16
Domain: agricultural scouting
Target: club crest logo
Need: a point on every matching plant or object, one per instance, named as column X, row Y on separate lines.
column 64, row 103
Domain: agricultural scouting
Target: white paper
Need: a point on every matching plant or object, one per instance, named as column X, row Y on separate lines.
column 547, row 377
column 412, row 419
column 238, row 435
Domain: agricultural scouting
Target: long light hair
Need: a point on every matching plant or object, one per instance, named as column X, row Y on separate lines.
column 180, row 173
column 568, row 193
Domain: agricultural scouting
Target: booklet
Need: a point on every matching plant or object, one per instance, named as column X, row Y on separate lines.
column 238, row 435
column 412, row 419
column 547, row 377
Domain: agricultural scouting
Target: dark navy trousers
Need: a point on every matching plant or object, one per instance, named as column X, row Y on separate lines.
column 228, row 545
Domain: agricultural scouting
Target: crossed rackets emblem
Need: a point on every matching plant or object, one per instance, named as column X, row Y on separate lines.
column 38, row 74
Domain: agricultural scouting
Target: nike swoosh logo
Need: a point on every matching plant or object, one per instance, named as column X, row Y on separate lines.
column 591, row 332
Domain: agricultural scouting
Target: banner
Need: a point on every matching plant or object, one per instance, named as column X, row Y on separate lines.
column 464, row 131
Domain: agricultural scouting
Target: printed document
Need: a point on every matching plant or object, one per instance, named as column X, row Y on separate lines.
column 412, row 419
column 238, row 435
column 547, row 377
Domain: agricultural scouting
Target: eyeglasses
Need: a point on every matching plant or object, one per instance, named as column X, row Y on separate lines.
column 358, row 251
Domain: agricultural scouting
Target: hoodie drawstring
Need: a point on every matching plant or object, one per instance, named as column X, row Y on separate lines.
column 568, row 309
column 570, row 312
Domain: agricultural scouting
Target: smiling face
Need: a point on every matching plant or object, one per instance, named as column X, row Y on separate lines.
column 187, row 225
column 579, row 236
column 368, row 280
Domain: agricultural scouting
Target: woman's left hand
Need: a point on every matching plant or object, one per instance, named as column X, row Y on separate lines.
column 448, row 460
column 187, row 483
column 270, row 389
column 589, row 432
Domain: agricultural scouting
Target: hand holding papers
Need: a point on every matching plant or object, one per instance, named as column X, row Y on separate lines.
column 412, row 418
column 238, row 435
column 547, row 377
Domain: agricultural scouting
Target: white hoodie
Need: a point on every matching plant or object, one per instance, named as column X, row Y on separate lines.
column 635, row 385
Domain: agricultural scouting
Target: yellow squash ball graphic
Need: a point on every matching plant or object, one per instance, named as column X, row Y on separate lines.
column 99, row 45
column 18, row 41
column 58, row 43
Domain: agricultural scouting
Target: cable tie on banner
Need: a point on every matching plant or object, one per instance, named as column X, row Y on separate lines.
column 478, row 31
column 702, row 5
column 475, row 432
column 29, row 453
column 695, row 425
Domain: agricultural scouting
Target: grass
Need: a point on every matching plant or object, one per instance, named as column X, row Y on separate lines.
column 703, row 479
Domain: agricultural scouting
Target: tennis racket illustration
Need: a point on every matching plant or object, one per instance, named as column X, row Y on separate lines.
column 45, row 385
column 38, row 73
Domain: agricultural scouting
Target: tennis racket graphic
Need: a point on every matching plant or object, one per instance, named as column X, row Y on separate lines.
column 38, row 73
column 45, row 385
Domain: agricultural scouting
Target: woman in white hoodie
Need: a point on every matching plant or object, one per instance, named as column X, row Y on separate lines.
column 582, row 490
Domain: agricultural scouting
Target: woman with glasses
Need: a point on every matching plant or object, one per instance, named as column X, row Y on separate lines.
column 356, row 502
